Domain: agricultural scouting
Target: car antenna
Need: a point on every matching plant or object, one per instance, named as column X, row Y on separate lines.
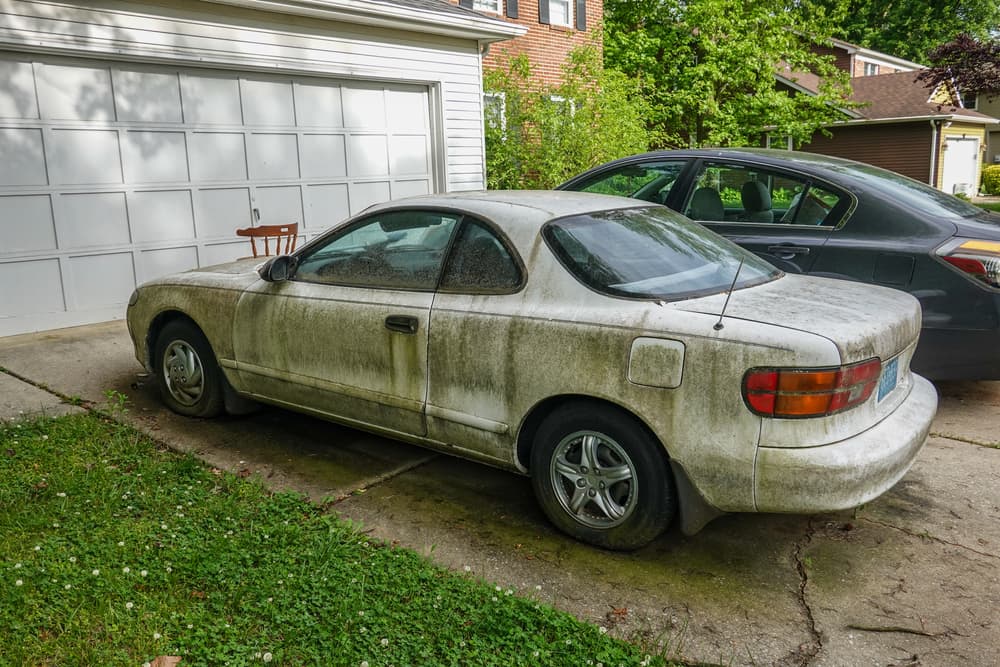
column 718, row 325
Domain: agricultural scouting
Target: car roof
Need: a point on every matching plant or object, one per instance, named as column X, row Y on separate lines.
column 532, row 206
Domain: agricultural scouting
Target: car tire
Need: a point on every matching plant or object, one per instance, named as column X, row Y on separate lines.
column 187, row 373
column 601, row 477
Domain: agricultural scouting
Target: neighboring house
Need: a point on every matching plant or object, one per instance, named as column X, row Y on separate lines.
column 988, row 104
column 137, row 137
column 903, row 125
column 554, row 28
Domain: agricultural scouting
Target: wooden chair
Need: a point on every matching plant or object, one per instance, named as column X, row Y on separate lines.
column 287, row 232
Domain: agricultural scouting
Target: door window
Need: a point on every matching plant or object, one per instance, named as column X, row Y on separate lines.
column 650, row 181
column 392, row 250
column 746, row 193
column 480, row 262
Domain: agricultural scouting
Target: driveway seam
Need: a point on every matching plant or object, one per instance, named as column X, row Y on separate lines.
column 928, row 536
column 970, row 441
column 377, row 480
column 69, row 400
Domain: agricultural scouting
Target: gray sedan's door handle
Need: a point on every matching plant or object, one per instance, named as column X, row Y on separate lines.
column 787, row 251
column 401, row 323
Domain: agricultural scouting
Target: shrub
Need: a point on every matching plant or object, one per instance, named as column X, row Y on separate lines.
column 991, row 179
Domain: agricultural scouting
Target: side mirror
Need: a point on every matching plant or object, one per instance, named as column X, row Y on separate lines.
column 277, row 269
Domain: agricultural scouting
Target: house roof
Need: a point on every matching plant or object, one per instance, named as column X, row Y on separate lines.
column 436, row 17
column 876, row 56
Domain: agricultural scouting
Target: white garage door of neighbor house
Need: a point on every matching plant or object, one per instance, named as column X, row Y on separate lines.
column 112, row 174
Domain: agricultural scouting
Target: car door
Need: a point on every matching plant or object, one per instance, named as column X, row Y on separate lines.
column 346, row 336
column 784, row 218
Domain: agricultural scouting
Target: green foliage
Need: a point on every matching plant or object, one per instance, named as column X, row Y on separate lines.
column 707, row 68
column 991, row 179
column 911, row 29
column 114, row 552
column 544, row 135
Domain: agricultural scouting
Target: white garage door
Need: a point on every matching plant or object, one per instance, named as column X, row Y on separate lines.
column 111, row 174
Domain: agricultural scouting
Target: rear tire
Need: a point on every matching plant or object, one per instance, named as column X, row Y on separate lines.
column 601, row 477
column 187, row 372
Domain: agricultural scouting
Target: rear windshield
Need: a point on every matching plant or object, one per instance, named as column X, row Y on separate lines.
column 651, row 253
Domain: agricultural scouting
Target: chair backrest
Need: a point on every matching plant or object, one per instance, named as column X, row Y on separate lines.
column 706, row 204
column 288, row 233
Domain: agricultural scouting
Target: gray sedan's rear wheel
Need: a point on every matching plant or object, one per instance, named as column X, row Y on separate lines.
column 601, row 477
column 187, row 373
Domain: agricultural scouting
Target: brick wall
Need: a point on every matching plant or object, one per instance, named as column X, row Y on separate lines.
column 546, row 45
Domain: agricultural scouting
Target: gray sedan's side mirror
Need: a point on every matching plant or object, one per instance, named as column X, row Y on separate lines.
column 277, row 268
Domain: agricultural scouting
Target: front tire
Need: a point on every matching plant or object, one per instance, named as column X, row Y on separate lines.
column 601, row 477
column 187, row 373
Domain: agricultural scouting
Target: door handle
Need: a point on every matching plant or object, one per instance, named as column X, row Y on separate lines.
column 401, row 323
column 787, row 251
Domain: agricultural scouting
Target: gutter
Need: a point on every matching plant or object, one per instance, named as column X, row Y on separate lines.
column 935, row 129
column 912, row 119
column 453, row 23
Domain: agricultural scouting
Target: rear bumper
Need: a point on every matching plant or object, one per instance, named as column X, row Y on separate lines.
column 851, row 472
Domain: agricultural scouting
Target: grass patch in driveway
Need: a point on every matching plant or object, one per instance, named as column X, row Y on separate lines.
column 114, row 551
column 989, row 206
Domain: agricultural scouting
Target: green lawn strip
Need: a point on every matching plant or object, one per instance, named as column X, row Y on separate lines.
column 114, row 551
column 989, row 206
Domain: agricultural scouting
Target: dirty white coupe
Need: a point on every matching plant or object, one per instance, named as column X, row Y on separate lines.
column 634, row 364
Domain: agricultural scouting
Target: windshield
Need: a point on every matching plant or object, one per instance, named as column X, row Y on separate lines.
column 909, row 192
column 651, row 253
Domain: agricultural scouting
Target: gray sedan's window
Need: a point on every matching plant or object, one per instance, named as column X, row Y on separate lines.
column 394, row 250
column 651, row 181
column 652, row 253
column 479, row 262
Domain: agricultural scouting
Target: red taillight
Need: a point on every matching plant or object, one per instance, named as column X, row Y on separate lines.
column 795, row 392
column 980, row 260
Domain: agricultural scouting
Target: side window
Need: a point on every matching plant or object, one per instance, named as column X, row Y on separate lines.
column 480, row 262
column 393, row 250
column 745, row 193
column 651, row 182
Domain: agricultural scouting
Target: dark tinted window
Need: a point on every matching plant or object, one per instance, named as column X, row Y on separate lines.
column 396, row 250
column 651, row 181
column 479, row 262
column 651, row 253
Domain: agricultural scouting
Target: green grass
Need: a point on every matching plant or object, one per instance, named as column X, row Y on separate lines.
column 989, row 206
column 114, row 551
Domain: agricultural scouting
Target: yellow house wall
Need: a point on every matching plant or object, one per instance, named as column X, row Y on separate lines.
column 960, row 131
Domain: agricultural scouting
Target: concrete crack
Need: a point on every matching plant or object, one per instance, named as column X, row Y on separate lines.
column 804, row 653
column 371, row 482
column 927, row 536
column 969, row 441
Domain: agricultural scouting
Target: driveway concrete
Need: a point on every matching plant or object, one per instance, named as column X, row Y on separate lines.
column 910, row 579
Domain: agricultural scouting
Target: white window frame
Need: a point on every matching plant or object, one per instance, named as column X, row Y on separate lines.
column 498, row 100
column 871, row 69
column 488, row 6
column 570, row 6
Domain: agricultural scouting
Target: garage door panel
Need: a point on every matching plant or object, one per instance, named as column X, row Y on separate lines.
column 220, row 253
column 161, row 216
column 155, row 157
column 221, row 212
column 274, row 156
column 85, row 157
column 407, row 110
column 367, row 155
column 26, row 223
column 23, row 160
column 39, row 288
column 75, row 93
column 268, row 103
column 409, row 155
column 323, row 156
column 100, row 281
column 364, row 107
column 363, row 195
column 155, row 263
column 279, row 205
column 17, row 95
column 211, row 99
column 89, row 220
column 218, row 156
column 152, row 97
column 326, row 205
column 318, row 104
column 410, row 188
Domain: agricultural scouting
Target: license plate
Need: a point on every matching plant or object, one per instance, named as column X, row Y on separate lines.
column 888, row 380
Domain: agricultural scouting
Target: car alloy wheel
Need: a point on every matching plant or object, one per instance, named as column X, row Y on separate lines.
column 594, row 479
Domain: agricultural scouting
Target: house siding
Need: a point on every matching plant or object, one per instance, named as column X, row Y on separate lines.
column 901, row 147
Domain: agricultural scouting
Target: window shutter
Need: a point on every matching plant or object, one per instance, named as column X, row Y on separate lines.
column 465, row 3
column 543, row 11
column 581, row 15
column 512, row 9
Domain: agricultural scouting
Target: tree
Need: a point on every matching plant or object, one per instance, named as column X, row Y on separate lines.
column 972, row 65
column 538, row 136
column 911, row 28
column 707, row 68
